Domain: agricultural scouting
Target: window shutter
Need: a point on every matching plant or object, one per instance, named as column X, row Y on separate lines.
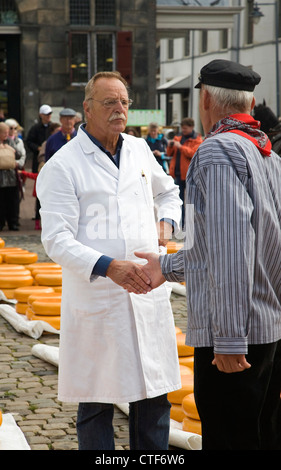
column 124, row 55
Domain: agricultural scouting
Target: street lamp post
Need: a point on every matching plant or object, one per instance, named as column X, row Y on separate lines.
column 256, row 16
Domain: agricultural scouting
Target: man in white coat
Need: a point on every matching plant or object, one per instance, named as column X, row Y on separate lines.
column 100, row 195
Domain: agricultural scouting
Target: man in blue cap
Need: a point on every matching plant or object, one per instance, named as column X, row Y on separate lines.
column 66, row 133
column 232, row 271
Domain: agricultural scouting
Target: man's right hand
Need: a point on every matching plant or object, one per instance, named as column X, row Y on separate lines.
column 129, row 275
column 152, row 268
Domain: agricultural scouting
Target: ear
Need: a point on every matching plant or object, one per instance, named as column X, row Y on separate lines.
column 253, row 103
column 86, row 106
column 206, row 99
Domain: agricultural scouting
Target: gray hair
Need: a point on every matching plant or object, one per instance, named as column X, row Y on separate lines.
column 89, row 89
column 228, row 101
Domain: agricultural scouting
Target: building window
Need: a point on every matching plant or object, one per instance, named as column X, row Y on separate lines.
column 92, row 41
column 105, row 56
column 279, row 18
column 79, row 12
column 170, row 48
column 79, row 56
column 204, row 41
column 250, row 23
column 8, row 12
column 224, row 39
column 105, row 12
column 187, row 44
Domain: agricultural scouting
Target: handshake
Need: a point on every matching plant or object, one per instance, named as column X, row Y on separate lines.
column 137, row 278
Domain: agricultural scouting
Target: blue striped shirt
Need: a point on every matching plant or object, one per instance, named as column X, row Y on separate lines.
column 233, row 269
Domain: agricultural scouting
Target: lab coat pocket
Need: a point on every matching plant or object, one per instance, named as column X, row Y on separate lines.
column 146, row 191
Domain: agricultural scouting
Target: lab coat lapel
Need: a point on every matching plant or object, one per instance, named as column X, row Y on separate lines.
column 96, row 155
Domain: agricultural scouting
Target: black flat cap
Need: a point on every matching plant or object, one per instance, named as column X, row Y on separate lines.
column 227, row 74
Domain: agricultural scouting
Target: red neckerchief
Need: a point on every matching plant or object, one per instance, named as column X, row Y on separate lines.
column 246, row 126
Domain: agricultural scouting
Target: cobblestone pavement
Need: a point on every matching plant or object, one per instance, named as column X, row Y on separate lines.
column 28, row 385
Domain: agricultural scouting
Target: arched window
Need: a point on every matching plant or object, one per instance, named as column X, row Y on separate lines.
column 8, row 12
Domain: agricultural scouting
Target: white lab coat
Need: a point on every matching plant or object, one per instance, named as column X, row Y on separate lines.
column 115, row 347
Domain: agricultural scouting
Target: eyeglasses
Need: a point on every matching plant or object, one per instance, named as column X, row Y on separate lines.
column 111, row 103
column 13, row 128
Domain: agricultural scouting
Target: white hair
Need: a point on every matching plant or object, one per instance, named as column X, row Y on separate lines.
column 11, row 122
column 227, row 101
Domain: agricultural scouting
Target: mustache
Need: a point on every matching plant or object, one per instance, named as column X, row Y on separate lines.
column 117, row 116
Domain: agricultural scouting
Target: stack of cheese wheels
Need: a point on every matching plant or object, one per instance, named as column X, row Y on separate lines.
column 186, row 373
column 21, row 295
column 45, row 307
column 183, row 408
column 185, row 353
column 12, row 277
column 16, row 255
column 47, row 274
column 191, row 421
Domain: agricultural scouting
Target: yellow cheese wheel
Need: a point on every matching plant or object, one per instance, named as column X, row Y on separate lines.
column 184, row 370
column 189, row 406
column 2, row 243
column 177, row 330
column 46, row 307
column 13, row 281
column 191, row 425
column 36, row 271
column 21, row 294
column 53, row 320
column 44, row 264
column 49, row 279
column 177, row 412
column 187, row 387
column 21, row 307
column 40, row 295
column 10, row 272
column 12, row 267
column 57, row 289
column 9, row 293
column 9, row 249
column 183, row 349
column 187, row 361
column 1, row 418
column 21, row 258
column 1, row 258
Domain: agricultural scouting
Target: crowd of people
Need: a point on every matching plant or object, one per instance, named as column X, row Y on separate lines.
column 43, row 139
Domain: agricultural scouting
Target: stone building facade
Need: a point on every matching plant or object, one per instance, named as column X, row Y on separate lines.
column 49, row 49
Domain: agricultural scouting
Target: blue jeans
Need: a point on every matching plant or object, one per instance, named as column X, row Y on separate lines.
column 149, row 423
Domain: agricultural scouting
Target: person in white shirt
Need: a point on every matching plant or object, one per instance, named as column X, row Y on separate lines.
column 98, row 196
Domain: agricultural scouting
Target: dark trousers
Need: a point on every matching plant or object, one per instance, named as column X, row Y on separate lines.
column 9, row 206
column 240, row 411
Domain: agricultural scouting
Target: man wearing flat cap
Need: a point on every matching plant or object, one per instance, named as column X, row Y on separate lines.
column 66, row 133
column 232, row 272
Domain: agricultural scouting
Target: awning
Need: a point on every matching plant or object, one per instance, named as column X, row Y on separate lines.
column 176, row 84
